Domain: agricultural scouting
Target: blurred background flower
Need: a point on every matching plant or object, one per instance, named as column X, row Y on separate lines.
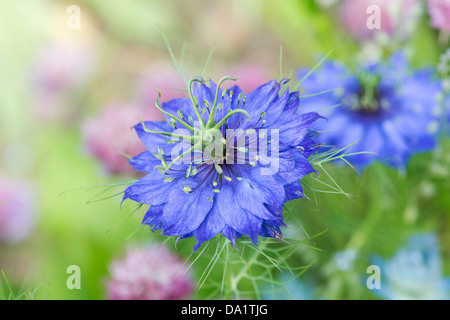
column 392, row 110
column 397, row 19
column 289, row 287
column 439, row 11
column 250, row 76
column 415, row 271
column 17, row 210
column 58, row 73
column 149, row 273
column 163, row 78
column 110, row 138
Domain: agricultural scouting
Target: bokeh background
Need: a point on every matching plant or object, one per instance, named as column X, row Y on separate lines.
column 68, row 97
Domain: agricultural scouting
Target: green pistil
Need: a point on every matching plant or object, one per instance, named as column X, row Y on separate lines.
column 200, row 137
column 170, row 115
column 368, row 99
column 195, row 102
column 229, row 114
column 211, row 123
column 190, row 138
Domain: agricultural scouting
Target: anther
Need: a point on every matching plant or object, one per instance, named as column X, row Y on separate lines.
column 158, row 156
column 160, row 169
column 218, row 168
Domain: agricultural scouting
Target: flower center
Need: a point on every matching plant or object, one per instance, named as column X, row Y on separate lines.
column 369, row 94
column 368, row 100
column 208, row 139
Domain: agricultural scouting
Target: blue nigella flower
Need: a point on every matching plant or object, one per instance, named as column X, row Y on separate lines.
column 414, row 272
column 223, row 161
column 395, row 112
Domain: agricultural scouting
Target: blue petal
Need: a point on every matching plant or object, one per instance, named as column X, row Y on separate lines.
column 232, row 235
column 261, row 197
column 292, row 131
column 271, row 228
column 234, row 216
column 151, row 189
column 180, row 104
column 266, row 99
column 293, row 191
column 145, row 161
column 210, row 227
column 330, row 75
column 309, row 145
column 302, row 168
column 184, row 212
column 152, row 216
column 151, row 140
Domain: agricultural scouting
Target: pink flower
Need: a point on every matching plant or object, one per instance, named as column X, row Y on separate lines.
column 166, row 79
column 439, row 11
column 58, row 70
column 151, row 273
column 251, row 76
column 109, row 137
column 17, row 211
column 396, row 18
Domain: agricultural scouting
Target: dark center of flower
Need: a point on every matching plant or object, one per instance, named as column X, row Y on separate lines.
column 214, row 148
column 368, row 100
column 369, row 94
